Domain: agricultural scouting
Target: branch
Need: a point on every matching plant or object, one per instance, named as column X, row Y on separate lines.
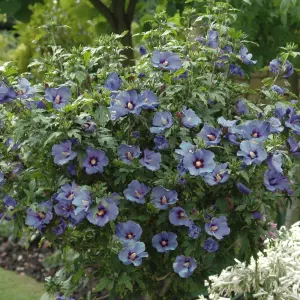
column 131, row 10
column 105, row 11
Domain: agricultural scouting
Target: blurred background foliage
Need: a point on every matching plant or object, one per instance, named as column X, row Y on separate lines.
column 27, row 27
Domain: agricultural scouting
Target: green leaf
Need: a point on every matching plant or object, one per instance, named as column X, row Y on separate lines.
column 247, row 1
column 53, row 136
column 104, row 282
column 119, row 36
column 102, row 115
column 241, row 207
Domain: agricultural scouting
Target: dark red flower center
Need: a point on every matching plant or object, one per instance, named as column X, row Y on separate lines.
column 93, row 161
column 181, row 215
column 252, row 154
column 218, row 177
column 132, row 256
column 211, row 137
column 42, row 215
column 101, row 212
column 199, row 163
column 213, row 228
column 130, row 235
column 129, row 155
column 164, row 243
column 164, row 200
column 130, row 105
column 58, row 99
column 255, row 134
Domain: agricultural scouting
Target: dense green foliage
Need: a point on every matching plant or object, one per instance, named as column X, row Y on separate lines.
column 210, row 91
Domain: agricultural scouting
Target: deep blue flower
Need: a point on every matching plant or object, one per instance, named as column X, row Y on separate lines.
column 113, row 82
column 243, row 189
column 161, row 143
column 59, row 97
column 62, row 297
column 94, row 161
column 40, row 216
column 281, row 110
column 217, row 227
column 212, row 39
column 7, row 94
column 199, row 162
column 136, row 192
column 136, row 134
column 210, row 135
column 126, row 102
column 71, row 170
column 226, row 123
column 178, row 217
column 63, row 152
column 236, row 70
column 166, row 61
column 60, row 228
column 127, row 153
column 89, row 126
column 180, row 167
column 210, row 102
column 142, row 75
column 10, row 143
column 9, row 202
column 162, row 197
column 246, row 57
column 275, row 181
column 67, row 192
column 210, row 245
column 288, row 70
column 165, row 241
column 181, row 180
column 18, row 169
column 102, row 213
column 194, row 231
column 67, row 210
column 294, row 123
column 294, row 146
column 128, row 232
column 201, row 39
column 275, row 66
column 40, row 105
column 256, row 215
column 185, row 148
column 151, row 160
column 241, row 108
column 25, row 90
column 275, row 125
column 275, row 162
column 278, row 89
column 252, row 152
column 161, row 122
column 233, row 138
column 184, row 266
column 190, row 119
column 255, row 130
column 220, row 174
column 133, row 253
column 142, row 50
column 82, row 201
column 148, row 100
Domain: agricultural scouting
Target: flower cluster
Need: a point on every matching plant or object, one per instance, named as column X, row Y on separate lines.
column 153, row 169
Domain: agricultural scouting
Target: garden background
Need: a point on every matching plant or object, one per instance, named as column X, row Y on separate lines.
column 28, row 27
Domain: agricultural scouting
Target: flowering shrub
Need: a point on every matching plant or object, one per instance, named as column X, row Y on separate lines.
column 156, row 175
column 275, row 275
